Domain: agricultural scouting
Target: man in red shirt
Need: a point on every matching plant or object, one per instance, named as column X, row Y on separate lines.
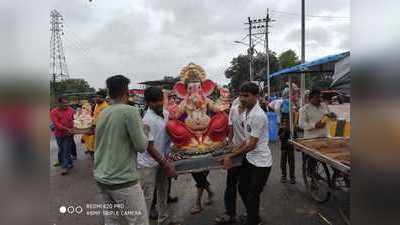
column 62, row 117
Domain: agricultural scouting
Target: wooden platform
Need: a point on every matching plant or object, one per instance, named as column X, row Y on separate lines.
column 82, row 130
column 195, row 163
column 333, row 151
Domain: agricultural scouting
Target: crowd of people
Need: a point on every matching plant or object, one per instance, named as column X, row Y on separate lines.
column 130, row 152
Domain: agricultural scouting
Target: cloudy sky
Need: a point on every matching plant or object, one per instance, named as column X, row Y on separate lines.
column 148, row 40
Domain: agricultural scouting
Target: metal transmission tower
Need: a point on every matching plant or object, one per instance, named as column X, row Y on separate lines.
column 58, row 65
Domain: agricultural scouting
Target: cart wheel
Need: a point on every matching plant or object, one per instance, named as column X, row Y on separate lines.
column 317, row 179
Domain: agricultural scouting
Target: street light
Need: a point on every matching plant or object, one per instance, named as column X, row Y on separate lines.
column 252, row 49
column 250, row 52
column 239, row 42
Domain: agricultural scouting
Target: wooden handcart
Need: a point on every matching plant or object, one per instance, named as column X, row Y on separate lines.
column 326, row 170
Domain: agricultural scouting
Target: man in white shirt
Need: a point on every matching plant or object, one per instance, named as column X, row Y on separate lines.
column 153, row 166
column 257, row 162
column 311, row 116
column 276, row 106
column 237, row 117
column 237, row 136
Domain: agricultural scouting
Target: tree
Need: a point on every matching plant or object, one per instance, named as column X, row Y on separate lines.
column 69, row 86
column 102, row 92
column 314, row 80
column 260, row 63
column 238, row 71
column 288, row 58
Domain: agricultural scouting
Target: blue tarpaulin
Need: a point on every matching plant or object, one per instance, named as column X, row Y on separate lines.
column 325, row 64
column 308, row 67
column 272, row 126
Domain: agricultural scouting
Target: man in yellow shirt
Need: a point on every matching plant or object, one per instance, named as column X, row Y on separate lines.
column 89, row 139
column 100, row 105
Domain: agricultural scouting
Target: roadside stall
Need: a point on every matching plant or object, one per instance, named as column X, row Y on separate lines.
column 326, row 165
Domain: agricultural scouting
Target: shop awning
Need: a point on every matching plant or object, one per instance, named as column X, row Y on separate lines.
column 320, row 65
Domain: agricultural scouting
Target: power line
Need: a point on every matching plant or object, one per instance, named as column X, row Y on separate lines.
column 311, row 16
column 244, row 37
column 260, row 25
column 258, row 40
column 282, row 17
column 77, row 44
column 74, row 37
column 86, row 53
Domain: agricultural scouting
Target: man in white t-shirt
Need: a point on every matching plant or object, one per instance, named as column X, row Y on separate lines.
column 237, row 117
column 237, row 136
column 152, row 164
column 256, row 166
column 276, row 106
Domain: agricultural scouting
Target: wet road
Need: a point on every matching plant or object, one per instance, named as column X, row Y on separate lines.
column 281, row 204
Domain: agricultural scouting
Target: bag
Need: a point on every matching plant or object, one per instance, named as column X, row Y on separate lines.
column 285, row 106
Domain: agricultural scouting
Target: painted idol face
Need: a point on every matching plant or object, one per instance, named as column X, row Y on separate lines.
column 194, row 87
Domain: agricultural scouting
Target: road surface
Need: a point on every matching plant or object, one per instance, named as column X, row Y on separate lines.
column 281, row 204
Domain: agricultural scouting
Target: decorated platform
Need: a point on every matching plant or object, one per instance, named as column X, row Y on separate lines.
column 192, row 162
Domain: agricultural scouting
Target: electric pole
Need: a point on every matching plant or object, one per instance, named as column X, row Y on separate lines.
column 303, row 56
column 262, row 30
column 267, row 20
column 58, row 65
column 250, row 51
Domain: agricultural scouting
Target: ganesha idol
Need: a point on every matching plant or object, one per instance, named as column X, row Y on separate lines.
column 197, row 124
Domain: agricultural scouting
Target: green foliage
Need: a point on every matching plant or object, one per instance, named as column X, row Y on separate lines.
column 68, row 86
column 102, row 92
column 238, row 71
column 71, row 86
column 287, row 59
column 260, row 63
